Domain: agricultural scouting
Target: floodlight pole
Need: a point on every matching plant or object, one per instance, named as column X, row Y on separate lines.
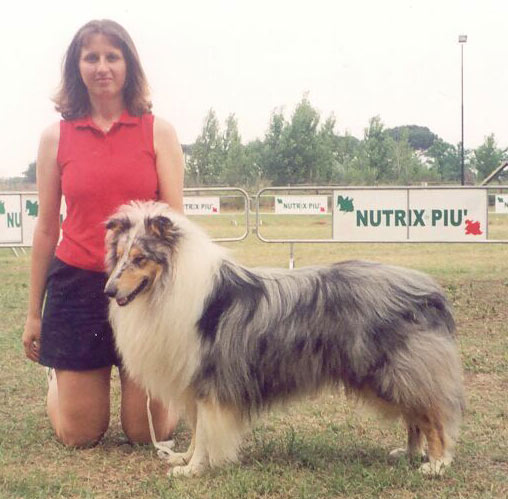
column 462, row 41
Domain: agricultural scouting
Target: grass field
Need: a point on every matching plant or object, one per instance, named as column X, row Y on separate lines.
column 314, row 449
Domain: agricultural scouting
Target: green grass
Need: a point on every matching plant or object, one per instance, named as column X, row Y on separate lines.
column 318, row 448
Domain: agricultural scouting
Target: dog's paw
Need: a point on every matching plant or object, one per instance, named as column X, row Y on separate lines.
column 435, row 468
column 177, row 458
column 189, row 470
column 402, row 452
column 167, row 455
column 397, row 454
column 164, row 448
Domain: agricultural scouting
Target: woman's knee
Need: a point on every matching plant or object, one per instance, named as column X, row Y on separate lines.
column 136, row 426
column 135, row 418
column 137, row 429
column 81, row 425
column 79, row 421
column 73, row 436
column 136, row 433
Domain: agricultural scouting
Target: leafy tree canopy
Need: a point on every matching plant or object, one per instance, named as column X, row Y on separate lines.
column 488, row 157
column 30, row 173
column 419, row 137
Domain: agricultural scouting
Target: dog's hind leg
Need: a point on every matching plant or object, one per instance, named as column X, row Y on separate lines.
column 218, row 436
column 439, row 445
column 415, row 442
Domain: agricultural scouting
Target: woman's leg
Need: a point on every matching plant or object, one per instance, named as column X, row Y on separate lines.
column 135, row 418
column 78, row 405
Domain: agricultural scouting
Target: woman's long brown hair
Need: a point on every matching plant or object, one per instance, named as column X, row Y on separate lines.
column 72, row 99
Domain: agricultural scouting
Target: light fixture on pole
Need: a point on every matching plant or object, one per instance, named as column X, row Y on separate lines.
column 462, row 41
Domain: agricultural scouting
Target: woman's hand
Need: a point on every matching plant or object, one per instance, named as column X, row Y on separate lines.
column 31, row 338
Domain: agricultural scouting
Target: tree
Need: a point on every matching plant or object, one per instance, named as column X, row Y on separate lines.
column 254, row 153
column 407, row 166
column 30, row 173
column 293, row 149
column 345, row 150
column 327, row 152
column 304, row 150
column 206, row 162
column 272, row 156
column 299, row 147
column 445, row 159
column 376, row 152
column 487, row 157
column 419, row 137
column 237, row 169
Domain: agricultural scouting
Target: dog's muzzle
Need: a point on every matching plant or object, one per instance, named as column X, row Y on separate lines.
column 112, row 292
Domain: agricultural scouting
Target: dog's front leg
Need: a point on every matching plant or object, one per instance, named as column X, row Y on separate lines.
column 219, row 432
column 197, row 452
column 183, row 458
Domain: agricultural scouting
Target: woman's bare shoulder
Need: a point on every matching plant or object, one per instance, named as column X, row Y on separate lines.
column 163, row 127
column 51, row 134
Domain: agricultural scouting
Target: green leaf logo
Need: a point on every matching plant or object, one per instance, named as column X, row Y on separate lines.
column 279, row 200
column 32, row 207
column 345, row 204
column 2, row 208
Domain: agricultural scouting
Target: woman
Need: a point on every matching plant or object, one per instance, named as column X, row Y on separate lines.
column 107, row 150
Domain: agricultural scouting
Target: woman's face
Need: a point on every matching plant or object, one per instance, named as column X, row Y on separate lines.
column 102, row 67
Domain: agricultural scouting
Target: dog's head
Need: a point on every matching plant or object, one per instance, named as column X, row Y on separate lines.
column 140, row 243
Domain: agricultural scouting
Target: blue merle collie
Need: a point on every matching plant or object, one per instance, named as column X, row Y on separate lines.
column 222, row 342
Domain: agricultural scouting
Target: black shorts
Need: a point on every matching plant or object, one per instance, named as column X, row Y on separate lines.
column 75, row 333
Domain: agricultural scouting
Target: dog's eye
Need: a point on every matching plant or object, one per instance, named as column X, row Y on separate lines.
column 138, row 260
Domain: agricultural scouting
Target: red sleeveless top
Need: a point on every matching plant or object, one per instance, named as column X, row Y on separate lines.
column 99, row 172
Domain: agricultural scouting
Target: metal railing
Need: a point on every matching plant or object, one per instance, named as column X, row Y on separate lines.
column 243, row 194
column 321, row 189
column 23, row 229
column 315, row 190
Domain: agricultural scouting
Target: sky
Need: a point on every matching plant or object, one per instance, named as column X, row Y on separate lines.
column 355, row 59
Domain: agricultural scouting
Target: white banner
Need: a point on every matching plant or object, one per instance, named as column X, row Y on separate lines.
column 10, row 219
column 19, row 212
column 301, row 205
column 414, row 215
column 30, row 206
column 197, row 205
column 501, row 203
column 18, row 216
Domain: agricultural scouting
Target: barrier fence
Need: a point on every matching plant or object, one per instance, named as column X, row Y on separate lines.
column 393, row 214
column 444, row 214
column 19, row 213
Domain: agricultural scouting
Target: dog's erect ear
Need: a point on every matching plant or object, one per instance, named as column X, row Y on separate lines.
column 118, row 224
column 162, row 227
